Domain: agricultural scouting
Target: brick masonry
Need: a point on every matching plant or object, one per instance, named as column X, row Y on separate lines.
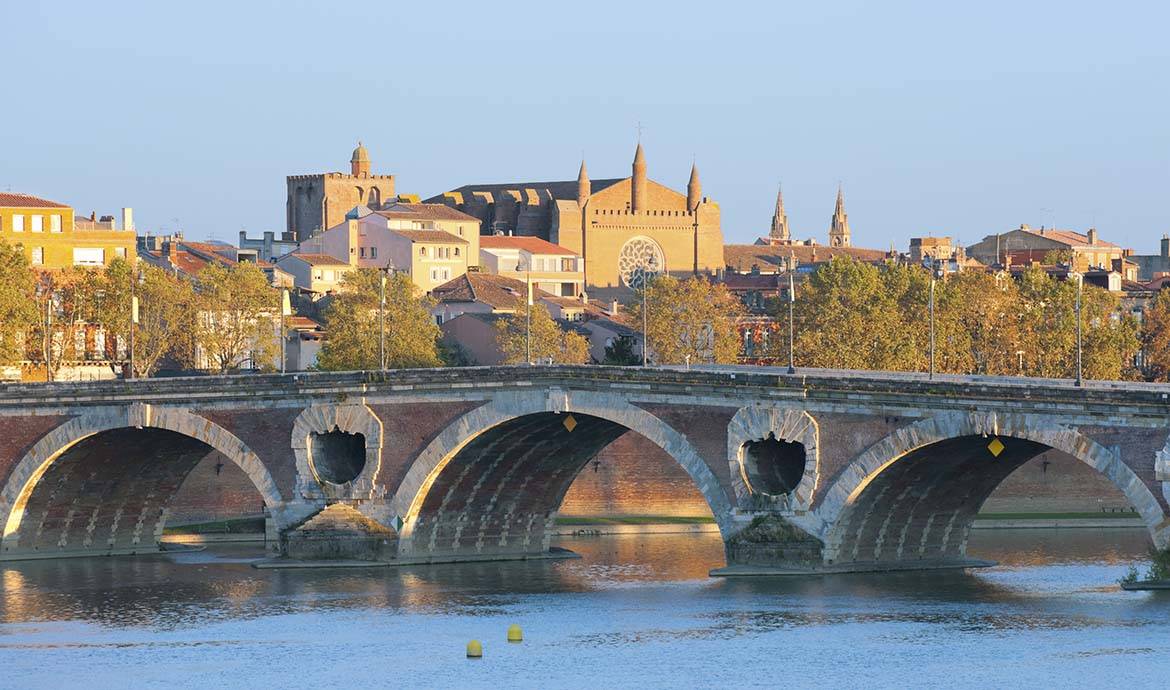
column 475, row 462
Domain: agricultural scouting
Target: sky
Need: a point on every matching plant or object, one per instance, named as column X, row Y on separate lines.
column 960, row 119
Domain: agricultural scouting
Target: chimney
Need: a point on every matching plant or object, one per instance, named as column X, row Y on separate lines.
column 168, row 250
column 243, row 237
column 1092, row 236
column 1165, row 246
column 613, row 308
column 128, row 219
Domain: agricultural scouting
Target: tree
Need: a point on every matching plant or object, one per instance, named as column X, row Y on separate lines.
column 237, row 318
column 1156, row 338
column 66, row 302
column 689, row 318
column 352, row 325
column 166, row 315
column 549, row 341
column 622, row 353
column 17, row 302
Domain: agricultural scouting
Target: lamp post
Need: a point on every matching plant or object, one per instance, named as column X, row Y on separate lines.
column 526, row 266
column 285, row 310
column 382, row 323
column 1080, row 287
column 791, row 316
column 933, row 278
column 647, row 271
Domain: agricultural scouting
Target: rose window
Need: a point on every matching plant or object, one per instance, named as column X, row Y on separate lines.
column 640, row 257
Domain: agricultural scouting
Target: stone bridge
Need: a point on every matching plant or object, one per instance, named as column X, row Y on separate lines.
column 822, row 470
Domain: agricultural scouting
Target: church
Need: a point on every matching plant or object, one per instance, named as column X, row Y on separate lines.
column 621, row 226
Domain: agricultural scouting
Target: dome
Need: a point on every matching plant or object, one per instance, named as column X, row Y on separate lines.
column 360, row 154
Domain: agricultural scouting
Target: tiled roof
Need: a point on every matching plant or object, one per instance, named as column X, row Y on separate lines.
column 426, row 211
column 563, row 189
column 752, row 281
column 493, row 290
column 741, row 257
column 533, row 245
column 430, row 236
column 13, row 200
column 317, row 259
column 1070, row 238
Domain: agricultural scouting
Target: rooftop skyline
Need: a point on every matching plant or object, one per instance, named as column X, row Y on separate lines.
column 936, row 120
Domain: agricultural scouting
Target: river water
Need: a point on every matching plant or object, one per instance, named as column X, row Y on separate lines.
column 633, row 611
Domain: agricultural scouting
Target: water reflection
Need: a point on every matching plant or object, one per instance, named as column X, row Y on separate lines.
column 632, row 608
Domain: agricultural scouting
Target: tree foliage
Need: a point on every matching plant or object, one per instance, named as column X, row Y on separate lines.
column 549, row 341
column 167, row 316
column 18, row 311
column 238, row 314
column 352, row 323
column 854, row 315
column 690, row 318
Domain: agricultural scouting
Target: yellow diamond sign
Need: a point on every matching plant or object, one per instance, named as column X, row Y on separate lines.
column 569, row 423
column 996, row 447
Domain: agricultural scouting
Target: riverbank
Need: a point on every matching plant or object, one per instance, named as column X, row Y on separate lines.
column 251, row 529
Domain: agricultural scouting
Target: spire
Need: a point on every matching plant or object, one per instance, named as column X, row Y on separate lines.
column 839, row 229
column 694, row 189
column 584, row 189
column 779, row 231
column 638, row 181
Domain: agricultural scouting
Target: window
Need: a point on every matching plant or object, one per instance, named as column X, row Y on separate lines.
column 38, row 223
column 422, row 251
column 460, row 231
column 38, row 256
column 86, row 256
column 456, row 251
column 55, row 223
column 363, row 252
column 373, row 252
column 18, row 223
column 120, row 252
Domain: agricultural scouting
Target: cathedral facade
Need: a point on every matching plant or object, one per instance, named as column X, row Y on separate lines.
column 622, row 227
column 320, row 201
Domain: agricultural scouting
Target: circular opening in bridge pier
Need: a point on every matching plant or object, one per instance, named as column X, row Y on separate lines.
column 338, row 457
column 772, row 466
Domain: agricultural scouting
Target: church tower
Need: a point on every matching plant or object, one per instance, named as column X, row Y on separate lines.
column 839, row 230
column 694, row 189
column 359, row 162
column 583, row 187
column 779, row 233
column 638, row 182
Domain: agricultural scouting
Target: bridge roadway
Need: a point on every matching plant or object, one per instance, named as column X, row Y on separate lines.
column 817, row 471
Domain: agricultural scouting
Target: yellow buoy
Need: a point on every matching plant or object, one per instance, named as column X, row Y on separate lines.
column 474, row 650
column 515, row 634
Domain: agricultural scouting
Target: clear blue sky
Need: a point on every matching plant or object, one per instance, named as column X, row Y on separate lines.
column 938, row 117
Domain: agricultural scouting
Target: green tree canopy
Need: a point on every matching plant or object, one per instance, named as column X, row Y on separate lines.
column 18, row 309
column 690, row 317
column 549, row 340
column 352, row 325
column 237, row 318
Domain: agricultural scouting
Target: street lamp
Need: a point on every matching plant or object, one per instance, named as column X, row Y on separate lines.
column 1080, row 287
column 134, row 282
column 526, row 266
column 791, row 308
column 934, row 275
column 647, row 271
column 387, row 270
column 285, row 310
column 382, row 322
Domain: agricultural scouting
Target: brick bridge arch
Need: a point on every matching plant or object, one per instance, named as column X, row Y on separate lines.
column 492, row 481
column 914, row 494
column 124, row 531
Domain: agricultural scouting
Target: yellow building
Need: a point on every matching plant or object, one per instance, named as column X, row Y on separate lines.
column 52, row 238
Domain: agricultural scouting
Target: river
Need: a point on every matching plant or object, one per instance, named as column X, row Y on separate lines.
column 634, row 611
